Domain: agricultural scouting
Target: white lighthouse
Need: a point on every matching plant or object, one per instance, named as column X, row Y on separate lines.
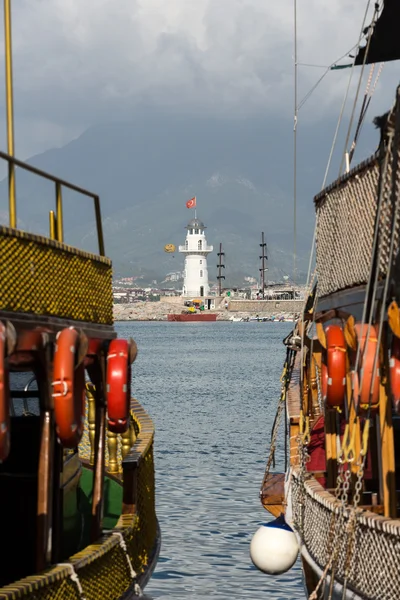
column 195, row 280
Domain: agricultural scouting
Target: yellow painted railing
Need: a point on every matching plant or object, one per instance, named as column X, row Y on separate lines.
column 56, row 218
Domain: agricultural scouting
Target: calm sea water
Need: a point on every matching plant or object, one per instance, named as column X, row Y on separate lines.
column 212, row 390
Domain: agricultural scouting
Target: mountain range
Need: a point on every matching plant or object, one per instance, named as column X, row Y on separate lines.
column 241, row 172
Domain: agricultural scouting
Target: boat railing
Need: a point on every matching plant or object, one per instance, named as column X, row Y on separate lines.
column 55, row 217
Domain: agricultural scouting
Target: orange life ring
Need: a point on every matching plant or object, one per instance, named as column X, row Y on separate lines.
column 334, row 377
column 4, row 399
column 394, row 369
column 118, row 386
column 68, row 389
column 368, row 351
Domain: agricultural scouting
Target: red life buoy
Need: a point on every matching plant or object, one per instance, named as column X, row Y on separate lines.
column 4, row 399
column 362, row 380
column 118, row 386
column 335, row 374
column 68, row 389
column 394, row 368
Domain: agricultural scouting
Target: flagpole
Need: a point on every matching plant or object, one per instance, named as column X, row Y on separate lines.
column 195, row 209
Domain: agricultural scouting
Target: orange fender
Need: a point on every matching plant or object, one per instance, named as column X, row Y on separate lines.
column 68, row 389
column 118, row 386
column 394, row 369
column 4, row 399
column 368, row 352
column 336, row 366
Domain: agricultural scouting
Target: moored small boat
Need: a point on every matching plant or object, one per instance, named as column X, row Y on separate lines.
column 188, row 317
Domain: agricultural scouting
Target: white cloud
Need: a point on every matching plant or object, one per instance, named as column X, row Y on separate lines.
column 79, row 62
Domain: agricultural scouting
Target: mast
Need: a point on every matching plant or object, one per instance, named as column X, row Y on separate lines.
column 295, row 148
column 220, row 266
column 10, row 113
column 263, row 268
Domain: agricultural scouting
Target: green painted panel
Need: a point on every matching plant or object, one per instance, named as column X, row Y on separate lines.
column 112, row 502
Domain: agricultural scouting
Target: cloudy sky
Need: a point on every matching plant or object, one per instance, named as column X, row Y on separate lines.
column 78, row 63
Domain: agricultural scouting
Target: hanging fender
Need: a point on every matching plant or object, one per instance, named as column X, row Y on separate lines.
column 333, row 373
column 394, row 369
column 362, row 380
column 118, row 385
column 4, row 399
column 68, row 388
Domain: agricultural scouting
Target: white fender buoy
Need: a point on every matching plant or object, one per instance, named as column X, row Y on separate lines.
column 274, row 547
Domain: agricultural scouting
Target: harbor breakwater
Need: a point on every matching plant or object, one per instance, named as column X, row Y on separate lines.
column 158, row 311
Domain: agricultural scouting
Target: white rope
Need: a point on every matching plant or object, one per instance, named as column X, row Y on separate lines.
column 74, row 576
column 132, row 572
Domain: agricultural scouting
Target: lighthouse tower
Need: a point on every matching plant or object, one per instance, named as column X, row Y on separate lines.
column 195, row 281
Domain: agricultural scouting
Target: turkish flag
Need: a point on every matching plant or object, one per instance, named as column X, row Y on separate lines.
column 191, row 203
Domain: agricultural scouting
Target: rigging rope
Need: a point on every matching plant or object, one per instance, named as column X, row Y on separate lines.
column 371, row 29
column 364, row 107
column 328, row 68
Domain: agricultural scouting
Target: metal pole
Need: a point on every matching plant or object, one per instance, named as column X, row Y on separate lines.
column 295, row 148
column 52, row 222
column 10, row 112
column 220, row 266
column 263, row 268
column 59, row 213
column 100, row 237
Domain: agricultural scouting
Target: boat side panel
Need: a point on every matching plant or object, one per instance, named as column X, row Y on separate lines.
column 45, row 277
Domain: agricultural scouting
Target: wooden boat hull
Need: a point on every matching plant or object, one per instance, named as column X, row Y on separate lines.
column 194, row 317
column 130, row 530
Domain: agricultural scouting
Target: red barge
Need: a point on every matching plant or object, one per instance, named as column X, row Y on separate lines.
column 193, row 317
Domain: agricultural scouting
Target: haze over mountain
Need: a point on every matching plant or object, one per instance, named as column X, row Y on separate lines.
column 144, row 171
column 153, row 102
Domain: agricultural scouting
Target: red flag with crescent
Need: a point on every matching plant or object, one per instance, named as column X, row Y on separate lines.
column 191, row 203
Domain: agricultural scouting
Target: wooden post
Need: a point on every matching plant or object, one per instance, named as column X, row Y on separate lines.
column 354, row 423
column 44, row 505
column 112, row 439
column 47, row 477
column 58, row 502
column 90, row 392
column 388, row 483
column 126, row 439
column 294, row 448
column 97, row 374
column 330, row 447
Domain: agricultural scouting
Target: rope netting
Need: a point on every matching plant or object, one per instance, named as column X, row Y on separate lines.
column 346, row 216
column 374, row 569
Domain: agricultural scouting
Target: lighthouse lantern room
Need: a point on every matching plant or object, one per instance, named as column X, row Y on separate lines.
column 195, row 280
